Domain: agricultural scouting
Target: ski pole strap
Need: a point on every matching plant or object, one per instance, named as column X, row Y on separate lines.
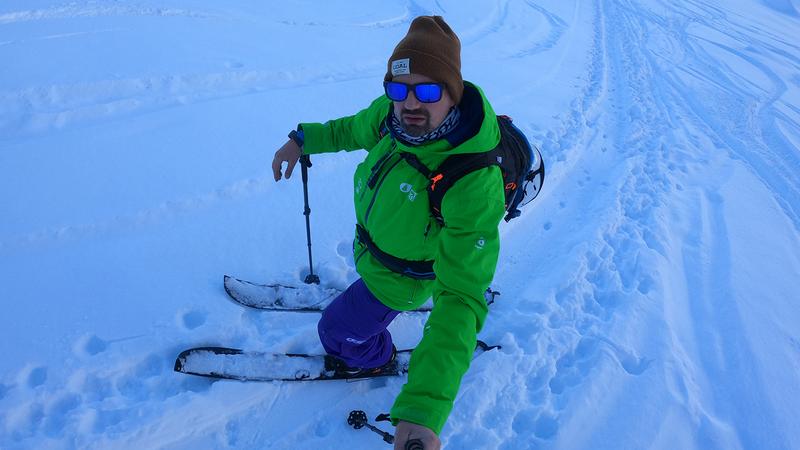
column 418, row 270
column 298, row 137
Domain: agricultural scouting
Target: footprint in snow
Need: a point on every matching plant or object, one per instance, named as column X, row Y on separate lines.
column 33, row 376
column 345, row 249
column 191, row 320
column 56, row 413
column 627, row 358
column 142, row 381
column 91, row 386
column 572, row 368
column 323, row 428
column 90, row 345
column 24, row 420
column 545, row 427
column 540, row 424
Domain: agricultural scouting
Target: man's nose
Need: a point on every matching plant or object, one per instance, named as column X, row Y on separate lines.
column 411, row 101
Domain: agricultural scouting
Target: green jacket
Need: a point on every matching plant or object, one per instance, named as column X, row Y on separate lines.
column 396, row 214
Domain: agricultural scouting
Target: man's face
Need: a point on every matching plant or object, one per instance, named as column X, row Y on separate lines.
column 419, row 118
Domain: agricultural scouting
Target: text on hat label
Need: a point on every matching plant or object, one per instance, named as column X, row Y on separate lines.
column 401, row 67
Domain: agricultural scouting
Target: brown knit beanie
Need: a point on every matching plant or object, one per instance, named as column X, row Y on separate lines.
column 430, row 48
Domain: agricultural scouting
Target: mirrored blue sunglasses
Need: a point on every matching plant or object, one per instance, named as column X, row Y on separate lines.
column 425, row 92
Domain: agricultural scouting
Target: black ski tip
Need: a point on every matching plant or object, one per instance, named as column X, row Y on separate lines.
column 226, row 280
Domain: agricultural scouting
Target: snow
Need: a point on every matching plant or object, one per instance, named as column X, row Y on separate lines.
column 649, row 295
column 254, row 365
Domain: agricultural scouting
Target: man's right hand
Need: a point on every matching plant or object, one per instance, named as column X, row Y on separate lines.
column 407, row 431
column 289, row 153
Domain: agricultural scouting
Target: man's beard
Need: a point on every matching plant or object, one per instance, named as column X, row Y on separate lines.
column 416, row 129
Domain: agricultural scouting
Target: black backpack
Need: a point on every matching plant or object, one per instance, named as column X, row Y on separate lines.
column 520, row 162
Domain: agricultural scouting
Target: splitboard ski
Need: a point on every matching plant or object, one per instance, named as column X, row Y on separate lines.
column 279, row 297
column 303, row 298
column 235, row 364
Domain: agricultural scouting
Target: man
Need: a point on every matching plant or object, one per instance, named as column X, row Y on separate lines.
column 427, row 114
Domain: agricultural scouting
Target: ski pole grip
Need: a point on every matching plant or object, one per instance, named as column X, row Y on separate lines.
column 305, row 163
column 414, row 444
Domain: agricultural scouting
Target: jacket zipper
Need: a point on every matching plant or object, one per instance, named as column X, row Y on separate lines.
column 377, row 182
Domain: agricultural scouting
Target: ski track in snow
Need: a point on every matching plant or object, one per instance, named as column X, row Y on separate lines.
column 624, row 154
column 645, row 133
column 140, row 219
column 92, row 9
column 44, row 109
column 572, row 322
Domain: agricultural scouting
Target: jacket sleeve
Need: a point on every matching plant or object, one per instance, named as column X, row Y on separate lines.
column 469, row 245
column 359, row 131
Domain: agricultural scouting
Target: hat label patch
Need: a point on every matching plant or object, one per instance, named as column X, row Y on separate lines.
column 401, row 67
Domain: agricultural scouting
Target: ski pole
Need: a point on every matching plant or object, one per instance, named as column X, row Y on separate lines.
column 358, row 420
column 305, row 163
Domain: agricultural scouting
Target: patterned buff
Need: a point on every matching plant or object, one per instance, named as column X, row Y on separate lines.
column 449, row 123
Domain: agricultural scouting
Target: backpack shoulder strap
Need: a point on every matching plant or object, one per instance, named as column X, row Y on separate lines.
column 451, row 171
column 455, row 167
column 414, row 162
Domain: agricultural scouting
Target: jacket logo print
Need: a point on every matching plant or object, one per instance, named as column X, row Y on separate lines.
column 481, row 243
column 407, row 188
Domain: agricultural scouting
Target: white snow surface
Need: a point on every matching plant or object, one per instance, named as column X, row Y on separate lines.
column 649, row 295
